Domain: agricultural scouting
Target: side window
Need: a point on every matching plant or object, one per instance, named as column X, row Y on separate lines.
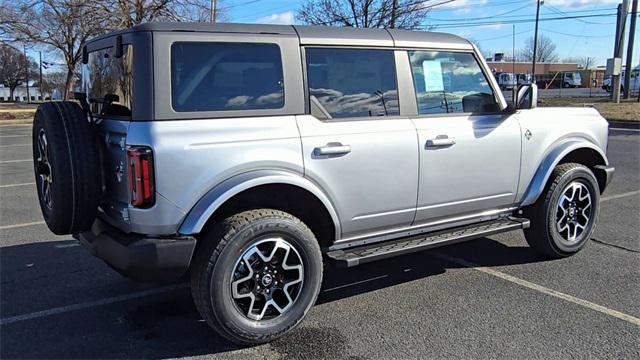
column 450, row 82
column 226, row 76
column 108, row 81
column 352, row 82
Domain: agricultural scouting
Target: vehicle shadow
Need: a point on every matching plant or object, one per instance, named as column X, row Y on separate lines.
column 167, row 325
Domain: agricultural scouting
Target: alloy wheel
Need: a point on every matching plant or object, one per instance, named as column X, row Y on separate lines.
column 573, row 213
column 267, row 279
column 43, row 169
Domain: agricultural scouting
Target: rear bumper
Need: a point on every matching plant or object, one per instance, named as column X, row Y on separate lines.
column 606, row 173
column 141, row 258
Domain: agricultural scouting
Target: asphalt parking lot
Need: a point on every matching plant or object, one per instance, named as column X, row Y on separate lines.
column 489, row 298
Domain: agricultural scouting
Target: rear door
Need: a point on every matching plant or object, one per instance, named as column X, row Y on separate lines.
column 356, row 145
column 469, row 149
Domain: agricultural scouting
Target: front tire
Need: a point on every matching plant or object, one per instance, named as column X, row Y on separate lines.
column 256, row 275
column 564, row 217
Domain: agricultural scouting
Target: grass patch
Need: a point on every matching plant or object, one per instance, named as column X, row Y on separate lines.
column 627, row 110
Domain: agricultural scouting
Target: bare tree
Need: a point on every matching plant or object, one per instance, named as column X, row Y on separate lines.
column 64, row 25
column 51, row 81
column 128, row 13
column 14, row 68
column 401, row 14
column 546, row 51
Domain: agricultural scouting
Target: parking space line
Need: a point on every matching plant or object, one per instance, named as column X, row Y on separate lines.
column 4, row 227
column 545, row 290
column 14, row 145
column 13, row 136
column 14, row 125
column 90, row 304
column 623, row 195
column 15, row 185
column 624, row 129
column 15, row 161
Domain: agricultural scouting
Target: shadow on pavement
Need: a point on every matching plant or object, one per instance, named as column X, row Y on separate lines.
column 168, row 325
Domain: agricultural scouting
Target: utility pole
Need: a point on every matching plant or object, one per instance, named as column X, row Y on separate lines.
column 535, row 43
column 618, row 48
column 394, row 13
column 26, row 69
column 214, row 4
column 40, row 83
column 514, row 89
column 629, row 65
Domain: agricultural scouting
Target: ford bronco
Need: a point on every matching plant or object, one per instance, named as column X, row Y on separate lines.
column 248, row 157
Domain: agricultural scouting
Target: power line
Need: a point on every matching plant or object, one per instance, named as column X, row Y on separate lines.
column 515, row 21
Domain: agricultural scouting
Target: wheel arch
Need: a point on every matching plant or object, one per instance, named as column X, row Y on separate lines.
column 577, row 151
column 272, row 189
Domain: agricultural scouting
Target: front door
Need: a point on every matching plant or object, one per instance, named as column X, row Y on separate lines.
column 469, row 150
column 356, row 145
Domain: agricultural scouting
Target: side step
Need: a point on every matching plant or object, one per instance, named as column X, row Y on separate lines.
column 367, row 253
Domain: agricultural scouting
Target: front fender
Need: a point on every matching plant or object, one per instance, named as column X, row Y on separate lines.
column 216, row 197
column 552, row 159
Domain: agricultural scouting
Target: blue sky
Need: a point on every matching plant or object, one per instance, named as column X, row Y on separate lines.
column 592, row 36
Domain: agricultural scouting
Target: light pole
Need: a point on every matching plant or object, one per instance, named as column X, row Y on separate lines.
column 214, row 4
column 535, row 41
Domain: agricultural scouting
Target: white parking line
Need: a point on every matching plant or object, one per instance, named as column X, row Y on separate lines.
column 4, row 227
column 545, row 290
column 16, row 185
column 15, row 161
column 90, row 304
column 14, row 145
column 623, row 195
column 13, row 136
column 624, row 129
column 17, row 125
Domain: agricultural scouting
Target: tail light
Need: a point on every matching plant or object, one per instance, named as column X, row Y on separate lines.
column 141, row 180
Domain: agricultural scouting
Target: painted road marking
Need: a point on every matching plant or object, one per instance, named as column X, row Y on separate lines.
column 14, row 145
column 15, row 161
column 4, row 227
column 545, row 290
column 13, row 136
column 619, row 196
column 15, row 185
column 624, row 129
column 90, row 304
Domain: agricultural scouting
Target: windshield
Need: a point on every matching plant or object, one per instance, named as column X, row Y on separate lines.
column 108, row 82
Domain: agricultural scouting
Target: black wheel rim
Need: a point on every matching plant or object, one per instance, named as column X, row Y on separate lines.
column 43, row 169
column 267, row 279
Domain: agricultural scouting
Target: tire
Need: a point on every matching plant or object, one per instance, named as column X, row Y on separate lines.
column 217, row 266
column 552, row 233
column 65, row 161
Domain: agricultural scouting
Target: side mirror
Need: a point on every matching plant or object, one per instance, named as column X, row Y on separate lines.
column 527, row 96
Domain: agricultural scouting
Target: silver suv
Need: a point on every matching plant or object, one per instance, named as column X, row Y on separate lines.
column 250, row 156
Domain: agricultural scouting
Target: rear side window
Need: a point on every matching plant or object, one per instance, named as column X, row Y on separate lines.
column 449, row 82
column 108, row 82
column 352, row 82
column 226, row 76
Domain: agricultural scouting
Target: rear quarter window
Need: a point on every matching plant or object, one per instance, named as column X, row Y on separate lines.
column 208, row 76
column 108, row 82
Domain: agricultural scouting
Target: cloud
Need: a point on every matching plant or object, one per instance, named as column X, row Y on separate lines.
column 463, row 5
column 285, row 18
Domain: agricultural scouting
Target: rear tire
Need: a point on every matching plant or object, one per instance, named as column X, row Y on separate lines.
column 65, row 160
column 564, row 216
column 284, row 256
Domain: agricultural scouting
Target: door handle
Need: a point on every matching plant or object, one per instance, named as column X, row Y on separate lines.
column 441, row 140
column 333, row 149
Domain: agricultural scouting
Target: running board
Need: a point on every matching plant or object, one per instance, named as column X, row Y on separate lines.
column 367, row 253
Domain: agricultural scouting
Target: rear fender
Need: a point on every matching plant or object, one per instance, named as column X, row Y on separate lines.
column 216, row 197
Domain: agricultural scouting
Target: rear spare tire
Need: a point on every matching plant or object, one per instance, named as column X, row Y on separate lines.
column 65, row 162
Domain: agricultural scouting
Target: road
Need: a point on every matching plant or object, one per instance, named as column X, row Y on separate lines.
column 488, row 298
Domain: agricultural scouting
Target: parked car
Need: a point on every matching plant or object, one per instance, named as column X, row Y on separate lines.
column 634, row 83
column 249, row 157
column 506, row 81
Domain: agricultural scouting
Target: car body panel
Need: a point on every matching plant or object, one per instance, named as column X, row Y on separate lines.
column 375, row 184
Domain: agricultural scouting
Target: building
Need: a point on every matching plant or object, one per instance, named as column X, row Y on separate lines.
column 519, row 67
column 20, row 94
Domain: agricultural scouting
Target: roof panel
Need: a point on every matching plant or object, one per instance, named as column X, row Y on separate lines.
column 422, row 39
column 326, row 35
